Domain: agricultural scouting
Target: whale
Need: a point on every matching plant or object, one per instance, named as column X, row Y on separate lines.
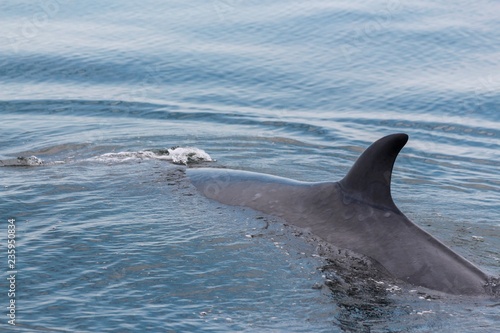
column 356, row 213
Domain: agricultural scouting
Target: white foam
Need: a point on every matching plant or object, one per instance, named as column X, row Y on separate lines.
column 177, row 155
column 33, row 161
column 22, row 161
column 188, row 155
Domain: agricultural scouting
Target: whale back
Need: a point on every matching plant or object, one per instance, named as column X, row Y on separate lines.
column 356, row 213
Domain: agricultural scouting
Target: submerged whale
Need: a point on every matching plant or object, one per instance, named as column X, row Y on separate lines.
column 355, row 213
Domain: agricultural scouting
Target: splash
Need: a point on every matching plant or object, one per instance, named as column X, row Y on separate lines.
column 188, row 155
column 176, row 155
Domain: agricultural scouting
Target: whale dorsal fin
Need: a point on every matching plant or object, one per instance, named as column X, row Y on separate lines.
column 369, row 179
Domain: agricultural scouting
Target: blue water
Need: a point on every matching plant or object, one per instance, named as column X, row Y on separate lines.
column 110, row 243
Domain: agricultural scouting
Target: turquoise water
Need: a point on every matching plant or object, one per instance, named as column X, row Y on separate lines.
column 113, row 240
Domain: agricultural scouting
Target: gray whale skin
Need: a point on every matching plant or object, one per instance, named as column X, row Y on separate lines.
column 356, row 213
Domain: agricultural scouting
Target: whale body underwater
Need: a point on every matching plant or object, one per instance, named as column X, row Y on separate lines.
column 355, row 213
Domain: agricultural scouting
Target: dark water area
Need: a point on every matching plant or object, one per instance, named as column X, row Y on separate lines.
column 112, row 237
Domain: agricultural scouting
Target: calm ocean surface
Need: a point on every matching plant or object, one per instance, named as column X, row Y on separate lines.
column 111, row 238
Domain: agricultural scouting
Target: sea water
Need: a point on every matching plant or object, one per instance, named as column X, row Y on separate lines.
column 110, row 236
